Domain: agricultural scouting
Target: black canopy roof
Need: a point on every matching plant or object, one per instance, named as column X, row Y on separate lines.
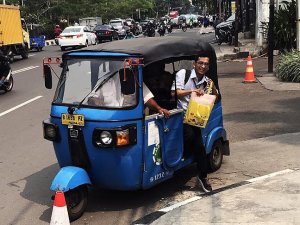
column 167, row 49
column 159, row 48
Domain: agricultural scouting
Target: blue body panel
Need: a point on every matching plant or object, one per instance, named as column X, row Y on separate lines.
column 212, row 130
column 68, row 178
column 162, row 155
column 112, row 168
column 37, row 42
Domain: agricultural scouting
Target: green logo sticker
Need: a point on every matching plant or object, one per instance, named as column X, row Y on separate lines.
column 157, row 154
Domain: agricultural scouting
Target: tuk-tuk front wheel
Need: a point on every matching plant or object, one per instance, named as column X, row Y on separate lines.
column 76, row 201
column 215, row 158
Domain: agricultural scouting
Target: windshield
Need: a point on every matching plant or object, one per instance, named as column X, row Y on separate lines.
column 97, row 83
column 116, row 23
column 231, row 18
column 71, row 30
column 102, row 27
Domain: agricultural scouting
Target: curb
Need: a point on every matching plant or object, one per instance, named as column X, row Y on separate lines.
column 206, row 32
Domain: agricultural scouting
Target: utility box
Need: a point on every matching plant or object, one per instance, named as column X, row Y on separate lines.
column 10, row 25
column 90, row 22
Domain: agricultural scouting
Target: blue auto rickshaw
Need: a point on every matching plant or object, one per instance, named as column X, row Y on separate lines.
column 101, row 132
column 37, row 36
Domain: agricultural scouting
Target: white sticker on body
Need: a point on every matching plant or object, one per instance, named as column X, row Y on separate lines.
column 153, row 133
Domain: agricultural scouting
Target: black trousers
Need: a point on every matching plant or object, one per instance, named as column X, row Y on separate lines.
column 193, row 145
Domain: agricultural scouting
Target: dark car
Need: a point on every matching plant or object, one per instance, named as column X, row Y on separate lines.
column 106, row 33
column 224, row 26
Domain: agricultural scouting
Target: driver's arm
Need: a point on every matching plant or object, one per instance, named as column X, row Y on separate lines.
column 152, row 104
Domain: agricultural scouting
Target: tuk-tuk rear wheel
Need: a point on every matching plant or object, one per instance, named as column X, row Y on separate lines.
column 215, row 158
column 76, row 202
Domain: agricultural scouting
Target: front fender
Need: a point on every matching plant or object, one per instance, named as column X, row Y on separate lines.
column 215, row 134
column 69, row 177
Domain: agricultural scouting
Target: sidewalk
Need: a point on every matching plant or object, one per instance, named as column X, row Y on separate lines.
column 270, row 199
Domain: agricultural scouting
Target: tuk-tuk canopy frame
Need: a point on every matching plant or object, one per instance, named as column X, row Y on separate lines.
column 165, row 49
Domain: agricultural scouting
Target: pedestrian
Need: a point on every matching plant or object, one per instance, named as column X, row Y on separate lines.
column 57, row 30
column 186, row 83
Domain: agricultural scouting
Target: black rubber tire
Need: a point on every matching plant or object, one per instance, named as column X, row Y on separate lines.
column 215, row 157
column 11, row 84
column 62, row 48
column 77, row 202
column 24, row 53
column 184, row 29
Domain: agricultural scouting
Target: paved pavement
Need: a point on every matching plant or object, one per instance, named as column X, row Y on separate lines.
column 270, row 199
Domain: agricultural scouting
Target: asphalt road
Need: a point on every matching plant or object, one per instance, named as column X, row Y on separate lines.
column 28, row 162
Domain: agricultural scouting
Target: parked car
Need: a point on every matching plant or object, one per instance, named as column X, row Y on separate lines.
column 119, row 25
column 106, row 33
column 224, row 27
column 129, row 22
column 76, row 36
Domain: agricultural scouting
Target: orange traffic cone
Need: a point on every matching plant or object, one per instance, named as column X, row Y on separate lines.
column 60, row 212
column 249, row 76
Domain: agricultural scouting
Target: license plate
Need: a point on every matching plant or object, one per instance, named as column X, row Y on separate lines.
column 76, row 120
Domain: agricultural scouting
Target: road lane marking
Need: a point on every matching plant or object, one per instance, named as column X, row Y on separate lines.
column 30, row 55
column 179, row 204
column 270, row 175
column 25, row 69
column 20, row 105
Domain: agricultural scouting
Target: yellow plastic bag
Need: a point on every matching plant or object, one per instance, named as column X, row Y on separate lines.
column 199, row 109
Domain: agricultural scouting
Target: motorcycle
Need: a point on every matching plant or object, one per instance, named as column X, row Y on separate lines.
column 149, row 32
column 184, row 27
column 7, row 83
column 161, row 30
column 225, row 35
column 169, row 28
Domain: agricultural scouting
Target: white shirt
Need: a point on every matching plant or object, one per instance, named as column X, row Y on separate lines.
column 191, row 84
column 147, row 94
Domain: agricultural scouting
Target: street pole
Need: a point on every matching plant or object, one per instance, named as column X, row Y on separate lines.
column 236, row 30
column 271, row 37
column 298, row 25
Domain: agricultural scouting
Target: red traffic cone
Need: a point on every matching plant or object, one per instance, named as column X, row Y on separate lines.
column 249, row 75
column 60, row 212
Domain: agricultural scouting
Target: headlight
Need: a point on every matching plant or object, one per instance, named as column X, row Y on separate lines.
column 122, row 137
column 51, row 132
column 106, row 137
column 115, row 137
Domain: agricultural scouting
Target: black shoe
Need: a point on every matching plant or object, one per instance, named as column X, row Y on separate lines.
column 205, row 185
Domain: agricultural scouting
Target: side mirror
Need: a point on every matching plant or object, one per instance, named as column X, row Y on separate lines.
column 48, row 76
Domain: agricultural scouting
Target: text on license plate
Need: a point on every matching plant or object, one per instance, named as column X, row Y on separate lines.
column 68, row 119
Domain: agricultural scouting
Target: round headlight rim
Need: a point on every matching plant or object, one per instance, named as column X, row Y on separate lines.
column 109, row 135
column 54, row 132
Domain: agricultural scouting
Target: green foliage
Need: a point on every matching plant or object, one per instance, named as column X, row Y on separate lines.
column 288, row 67
column 49, row 13
column 284, row 26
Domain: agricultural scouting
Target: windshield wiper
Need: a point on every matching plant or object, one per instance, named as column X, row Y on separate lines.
column 96, row 88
